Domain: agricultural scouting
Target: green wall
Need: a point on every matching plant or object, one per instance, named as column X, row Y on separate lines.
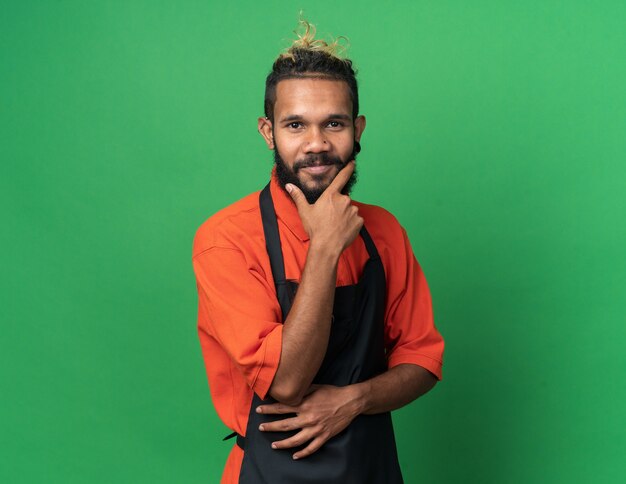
column 496, row 134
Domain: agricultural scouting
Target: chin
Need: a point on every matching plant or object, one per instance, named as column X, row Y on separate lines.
column 319, row 181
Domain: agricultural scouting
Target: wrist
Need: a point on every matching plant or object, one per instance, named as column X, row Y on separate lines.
column 323, row 253
column 360, row 397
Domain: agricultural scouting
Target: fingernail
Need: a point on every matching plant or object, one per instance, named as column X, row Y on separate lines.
column 273, row 446
column 258, row 410
column 288, row 187
column 295, row 457
column 261, row 427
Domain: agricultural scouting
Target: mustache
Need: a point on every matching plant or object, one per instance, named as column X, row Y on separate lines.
column 321, row 159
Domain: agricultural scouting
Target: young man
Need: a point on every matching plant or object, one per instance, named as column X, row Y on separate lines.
column 314, row 317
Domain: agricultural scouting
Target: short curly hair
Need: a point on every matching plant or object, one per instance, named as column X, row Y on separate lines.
column 309, row 57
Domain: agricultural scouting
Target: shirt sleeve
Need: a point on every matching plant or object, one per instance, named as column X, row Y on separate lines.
column 410, row 331
column 241, row 313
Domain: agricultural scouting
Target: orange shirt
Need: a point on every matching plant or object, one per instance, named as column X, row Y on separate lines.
column 239, row 318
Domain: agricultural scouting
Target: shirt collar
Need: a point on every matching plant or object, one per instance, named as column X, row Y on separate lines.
column 286, row 208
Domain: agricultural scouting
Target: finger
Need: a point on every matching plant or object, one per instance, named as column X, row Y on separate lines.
column 276, row 409
column 300, row 438
column 297, row 196
column 284, row 425
column 342, row 178
column 314, row 446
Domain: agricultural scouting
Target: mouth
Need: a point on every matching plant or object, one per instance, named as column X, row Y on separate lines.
column 317, row 169
column 319, row 165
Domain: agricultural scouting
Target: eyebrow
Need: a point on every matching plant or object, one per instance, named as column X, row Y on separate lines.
column 297, row 117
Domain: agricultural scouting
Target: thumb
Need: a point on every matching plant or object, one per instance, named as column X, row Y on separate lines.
column 297, row 196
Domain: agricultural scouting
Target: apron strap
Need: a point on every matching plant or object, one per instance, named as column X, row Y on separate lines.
column 272, row 243
column 369, row 243
column 272, row 238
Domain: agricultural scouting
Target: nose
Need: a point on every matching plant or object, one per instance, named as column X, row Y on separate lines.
column 316, row 141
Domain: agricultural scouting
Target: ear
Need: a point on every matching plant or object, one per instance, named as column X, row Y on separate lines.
column 359, row 126
column 265, row 128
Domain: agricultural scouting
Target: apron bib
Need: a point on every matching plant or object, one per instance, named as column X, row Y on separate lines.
column 364, row 452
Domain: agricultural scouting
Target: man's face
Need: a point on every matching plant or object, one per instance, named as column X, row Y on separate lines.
column 313, row 133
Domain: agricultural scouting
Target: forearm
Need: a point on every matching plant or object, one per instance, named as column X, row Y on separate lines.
column 307, row 327
column 393, row 389
column 328, row 409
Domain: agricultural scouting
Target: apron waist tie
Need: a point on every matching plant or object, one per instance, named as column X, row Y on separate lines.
column 241, row 440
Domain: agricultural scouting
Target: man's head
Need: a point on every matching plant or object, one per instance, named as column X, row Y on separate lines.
column 311, row 114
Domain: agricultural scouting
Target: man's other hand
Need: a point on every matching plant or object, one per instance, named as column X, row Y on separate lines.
column 324, row 412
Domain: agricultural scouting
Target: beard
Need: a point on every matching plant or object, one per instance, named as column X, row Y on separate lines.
column 290, row 175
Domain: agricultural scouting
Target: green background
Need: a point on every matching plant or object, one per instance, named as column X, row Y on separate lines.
column 496, row 134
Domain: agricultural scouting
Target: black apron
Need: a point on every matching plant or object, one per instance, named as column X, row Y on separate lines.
column 365, row 452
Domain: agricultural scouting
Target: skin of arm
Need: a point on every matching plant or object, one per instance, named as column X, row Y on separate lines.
column 306, row 329
column 332, row 224
column 393, row 389
column 327, row 409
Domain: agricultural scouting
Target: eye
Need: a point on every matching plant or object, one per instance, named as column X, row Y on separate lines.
column 294, row 124
column 335, row 124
